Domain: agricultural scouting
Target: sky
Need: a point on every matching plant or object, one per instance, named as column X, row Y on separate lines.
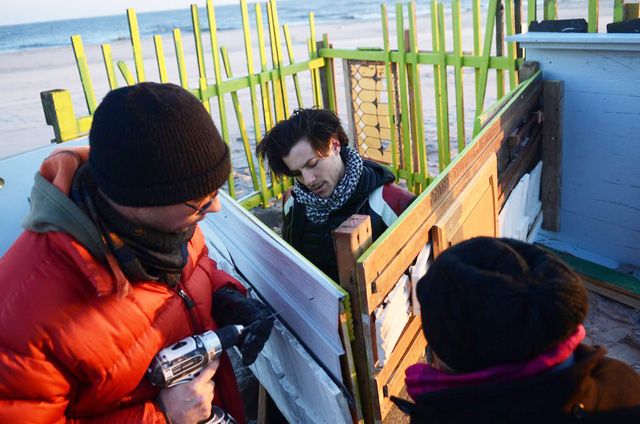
column 24, row 11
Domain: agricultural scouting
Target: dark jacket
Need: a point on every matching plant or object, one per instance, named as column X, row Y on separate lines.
column 375, row 195
column 595, row 389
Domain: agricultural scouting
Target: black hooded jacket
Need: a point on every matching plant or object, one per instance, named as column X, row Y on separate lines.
column 375, row 195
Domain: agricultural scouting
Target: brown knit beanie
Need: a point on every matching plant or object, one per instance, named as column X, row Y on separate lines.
column 155, row 145
column 489, row 301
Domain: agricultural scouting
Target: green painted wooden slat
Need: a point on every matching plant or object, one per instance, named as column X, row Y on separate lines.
column 593, row 16
column 296, row 83
column 201, row 93
column 440, row 85
column 241, row 123
column 135, row 44
column 277, row 81
column 532, row 14
column 246, row 32
column 315, row 74
column 197, row 38
column 162, row 67
column 333, row 103
column 443, row 80
column 477, row 36
column 499, row 48
column 468, row 61
column 182, row 68
column 264, row 84
column 83, row 70
column 486, row 53
column 279, row 56
column 109, row 66
column 277, row 184
column 126, row 72
column 390, row 88
column 416, row 104
column 405, row 129
column 457, row 51
column 222, row 110
column 550, row 9
column 618, row 10
column 511, row 46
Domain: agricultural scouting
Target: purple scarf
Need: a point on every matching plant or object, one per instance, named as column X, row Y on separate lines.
column 422, row 378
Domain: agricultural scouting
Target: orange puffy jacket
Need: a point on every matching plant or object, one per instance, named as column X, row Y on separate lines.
column 71, row 349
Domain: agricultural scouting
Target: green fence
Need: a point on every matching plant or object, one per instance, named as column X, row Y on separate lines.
column 269, row 83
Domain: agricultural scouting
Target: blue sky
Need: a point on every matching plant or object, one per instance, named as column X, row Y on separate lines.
column 24, row 11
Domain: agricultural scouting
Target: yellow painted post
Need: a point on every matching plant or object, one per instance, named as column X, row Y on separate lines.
column 484, row 67
column 241, row 124
column 246, row 30
column 404, row 99
column 390, row 89
column 477, row 36
column 593, row 15
column 109, row 66
column 126, row 73
column 265, row 91
column 85, row 76
column 457, row 52
column 58, row 112
column 440, row 84
column 276, row 48
column 511, row 46
column 162, row 68
column 296, row 84
column 313, row 53
column 213, row 34
column 135, row 44
column 416, row 104
column 331, row 86
column 197, row 38
column 182, row 69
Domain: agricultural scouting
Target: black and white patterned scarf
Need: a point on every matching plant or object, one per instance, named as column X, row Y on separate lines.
column 318, row 208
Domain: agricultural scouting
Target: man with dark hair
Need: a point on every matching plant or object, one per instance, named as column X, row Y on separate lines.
column 503, row 320
column 332, row 182
column 112, row 268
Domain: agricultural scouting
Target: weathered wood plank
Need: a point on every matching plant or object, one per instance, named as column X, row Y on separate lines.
column 352, row 238
column 552, row 154
column 385, row 251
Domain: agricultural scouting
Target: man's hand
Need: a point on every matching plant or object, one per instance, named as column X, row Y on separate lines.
column 231, row 307
column 190, row 402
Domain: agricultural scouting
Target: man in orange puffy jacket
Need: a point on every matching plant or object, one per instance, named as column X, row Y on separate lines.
column 112, row 268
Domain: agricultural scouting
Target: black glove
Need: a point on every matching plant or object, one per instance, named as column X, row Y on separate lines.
column 230, row 307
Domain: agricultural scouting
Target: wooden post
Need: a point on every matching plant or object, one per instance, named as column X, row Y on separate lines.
column 58, row 112
column 500, row 47
column 328, row 77
column 517, row 17
column 552, row 105
column 631, row 11
column 351, row 239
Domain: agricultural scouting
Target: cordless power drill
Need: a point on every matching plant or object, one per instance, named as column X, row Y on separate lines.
column 182, row 361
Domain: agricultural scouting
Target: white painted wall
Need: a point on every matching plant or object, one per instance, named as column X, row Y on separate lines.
column 600, row 192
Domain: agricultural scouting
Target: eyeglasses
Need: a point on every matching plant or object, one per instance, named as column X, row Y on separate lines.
column 202, row 209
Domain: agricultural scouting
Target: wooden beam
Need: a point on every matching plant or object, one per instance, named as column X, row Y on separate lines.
column 522, row 164
column 553, row 95
column 352, row 238
column 58, row 112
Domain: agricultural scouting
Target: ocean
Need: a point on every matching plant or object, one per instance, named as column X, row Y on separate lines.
column 105, row 29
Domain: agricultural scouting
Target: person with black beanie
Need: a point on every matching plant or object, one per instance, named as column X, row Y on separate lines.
column 112, row 268
column 503, row 323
